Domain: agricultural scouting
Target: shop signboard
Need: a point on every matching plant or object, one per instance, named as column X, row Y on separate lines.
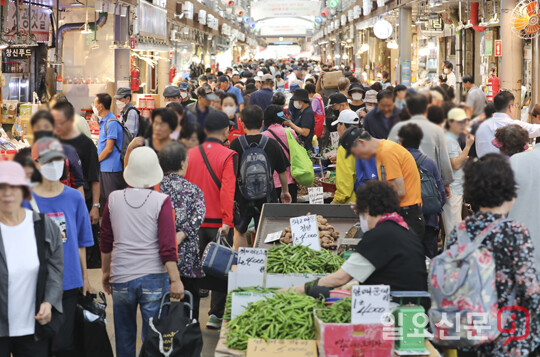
column 284, row 8
column 16, row 53
column 489, row 44
column 406, row 72
column 40, row 21
column 498, row 48
column 152, row 21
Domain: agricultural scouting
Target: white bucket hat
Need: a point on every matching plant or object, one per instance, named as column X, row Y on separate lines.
column 143, row 170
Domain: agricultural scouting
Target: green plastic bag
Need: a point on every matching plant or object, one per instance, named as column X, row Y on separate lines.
column 301, row 165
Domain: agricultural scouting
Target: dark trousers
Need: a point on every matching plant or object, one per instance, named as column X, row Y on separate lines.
column 63, row 341
column 414, row 217
column 192, row 285
column 23, row 346
column 293, row 190
column 217, row 298
column 431, row 236
column 109, row 182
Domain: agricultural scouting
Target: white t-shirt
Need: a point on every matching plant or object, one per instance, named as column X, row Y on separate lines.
column 451, row 80
column 23, row 266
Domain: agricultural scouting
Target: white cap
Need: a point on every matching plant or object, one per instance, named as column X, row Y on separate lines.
column 347, row 117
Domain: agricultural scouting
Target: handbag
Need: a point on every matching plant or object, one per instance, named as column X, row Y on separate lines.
column 174, row 335
column 218, row 258
column 90, row 331
column 301, row 165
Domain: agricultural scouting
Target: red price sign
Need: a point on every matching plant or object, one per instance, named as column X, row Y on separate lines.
column 132, row 43
column 498, row 48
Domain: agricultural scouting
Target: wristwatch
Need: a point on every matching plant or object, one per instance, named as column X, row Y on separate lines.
column 96, row 205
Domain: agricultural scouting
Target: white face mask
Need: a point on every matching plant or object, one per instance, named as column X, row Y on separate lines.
column 230, row 111
column 183, row 95
column 363, row 224
column 446, row 71
column 356, row 96
column 96, row 112
column 297, row 104
column 369, row 108
column 120, row 105
column 53, row 170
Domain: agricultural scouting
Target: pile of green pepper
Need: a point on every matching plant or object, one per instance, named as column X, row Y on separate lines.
column 286, row 258
column 285, row 316
column 337, row 313
column 251, row 289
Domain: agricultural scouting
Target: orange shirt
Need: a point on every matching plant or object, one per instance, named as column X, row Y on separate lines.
column 398, row 162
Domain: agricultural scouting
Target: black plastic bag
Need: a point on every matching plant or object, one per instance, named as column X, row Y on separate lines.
column 174, row 335
column 91, row 338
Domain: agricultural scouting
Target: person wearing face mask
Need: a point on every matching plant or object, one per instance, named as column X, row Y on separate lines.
column 379, row 121
column 67, row 208
column 356, row 92
column 229, row 106
column 389, row 253
column 448, row 69
column 129, row 115
column 370, row 102
column 336, row 103
column 304, row 125
column 42, row 124
column 184, row 94
column 202, row 107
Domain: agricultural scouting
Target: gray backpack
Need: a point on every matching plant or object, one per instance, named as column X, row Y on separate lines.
column 255, row 180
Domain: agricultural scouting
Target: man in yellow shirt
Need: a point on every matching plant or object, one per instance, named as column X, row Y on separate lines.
column 345, row 166
column 396, row 166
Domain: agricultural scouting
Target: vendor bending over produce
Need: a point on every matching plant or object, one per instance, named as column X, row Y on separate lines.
column 389, row 253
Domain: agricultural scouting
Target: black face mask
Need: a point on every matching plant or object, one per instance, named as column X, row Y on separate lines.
column 42, row 134
column 336, row 113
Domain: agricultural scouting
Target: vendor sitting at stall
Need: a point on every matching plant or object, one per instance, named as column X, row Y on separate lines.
column 389, row 253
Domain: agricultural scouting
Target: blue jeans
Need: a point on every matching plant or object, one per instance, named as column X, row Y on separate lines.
column 147, row 292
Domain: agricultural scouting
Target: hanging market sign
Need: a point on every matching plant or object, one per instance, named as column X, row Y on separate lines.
column 285, row 8
column 489, row 43
column 40, row 22
column 498, row 48
column 277, row 30
column 151, row 21
column 383, row 29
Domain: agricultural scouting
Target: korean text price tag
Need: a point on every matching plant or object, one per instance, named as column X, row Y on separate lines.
column 316, row 195
column 334, row 138
column 251, row 266
column 305, row 231
column 299, row 348
column 369, row 303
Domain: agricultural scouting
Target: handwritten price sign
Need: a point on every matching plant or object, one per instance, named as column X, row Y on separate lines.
column 251, row 266
column 305, row 231
column 369, row 303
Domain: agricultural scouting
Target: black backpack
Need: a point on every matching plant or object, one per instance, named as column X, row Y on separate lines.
column 431, row 197
column 126, row 138
column 143, row 122
column 255, row 180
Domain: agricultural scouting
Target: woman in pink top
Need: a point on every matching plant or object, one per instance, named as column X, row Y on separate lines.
column 273, row 119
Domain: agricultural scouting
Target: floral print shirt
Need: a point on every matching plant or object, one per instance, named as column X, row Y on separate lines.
column 513, row 252
column 188, row 203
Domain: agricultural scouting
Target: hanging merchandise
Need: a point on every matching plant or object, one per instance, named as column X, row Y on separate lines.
column 368, row 6
column 333, row 3
column 526, row 19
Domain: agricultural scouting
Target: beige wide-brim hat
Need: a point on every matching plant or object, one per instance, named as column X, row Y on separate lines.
column 143, row 170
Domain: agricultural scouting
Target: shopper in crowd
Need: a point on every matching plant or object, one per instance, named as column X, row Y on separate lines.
column 490, row 185
column 178, row 109
column 317, row 105
column 129, row 115
column 394, row 165
column 476, row 98
column 370, row 101
column 263, row 97
column 80, row 123
column 188, row 204
column 410, row 137
column 356, row 92
column 380, row 120
column 192, row 135
column 109, row 146
column 511, row 139
column 386, row 80
column 225, row 86
column 343, row 86
column 505, row 106
column 42, row 124
column 184, row 94
column 452, row 210
column 138, row 246
column 436, row 115
column 377, row 86
column 279, row 99
column 389, row 253
column 66, row 207
column 400, row 91
column 434, row 142
column 535, row 117
column 24, row 158
column 230, row 107
column 252, row 117
column 304, row 125
column 448, row 70
column 31, row 248
column 273, row 121
column 171, row 94
column 202, row 108
column 217, row 180
column 345, row 164
column 250, row 89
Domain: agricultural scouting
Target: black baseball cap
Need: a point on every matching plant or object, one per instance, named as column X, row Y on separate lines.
column 337, row 98
column 350, row 136
column 216, row 121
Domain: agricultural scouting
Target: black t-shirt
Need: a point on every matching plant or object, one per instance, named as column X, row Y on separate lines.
column 87, row 151
column 397, row 255
column 306, row 119
column 354, row 108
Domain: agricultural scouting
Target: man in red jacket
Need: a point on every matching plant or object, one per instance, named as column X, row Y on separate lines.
column 212, row 167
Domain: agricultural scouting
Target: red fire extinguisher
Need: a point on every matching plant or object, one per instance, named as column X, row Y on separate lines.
column 134, row 79
column 493, row 86
column 172, row 73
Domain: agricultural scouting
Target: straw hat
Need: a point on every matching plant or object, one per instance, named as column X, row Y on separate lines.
column 143, row 168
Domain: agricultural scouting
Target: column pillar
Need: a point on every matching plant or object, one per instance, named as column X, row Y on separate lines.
column 511, row 69
column 535, row 99
column 163, row 70
column 405, row 40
